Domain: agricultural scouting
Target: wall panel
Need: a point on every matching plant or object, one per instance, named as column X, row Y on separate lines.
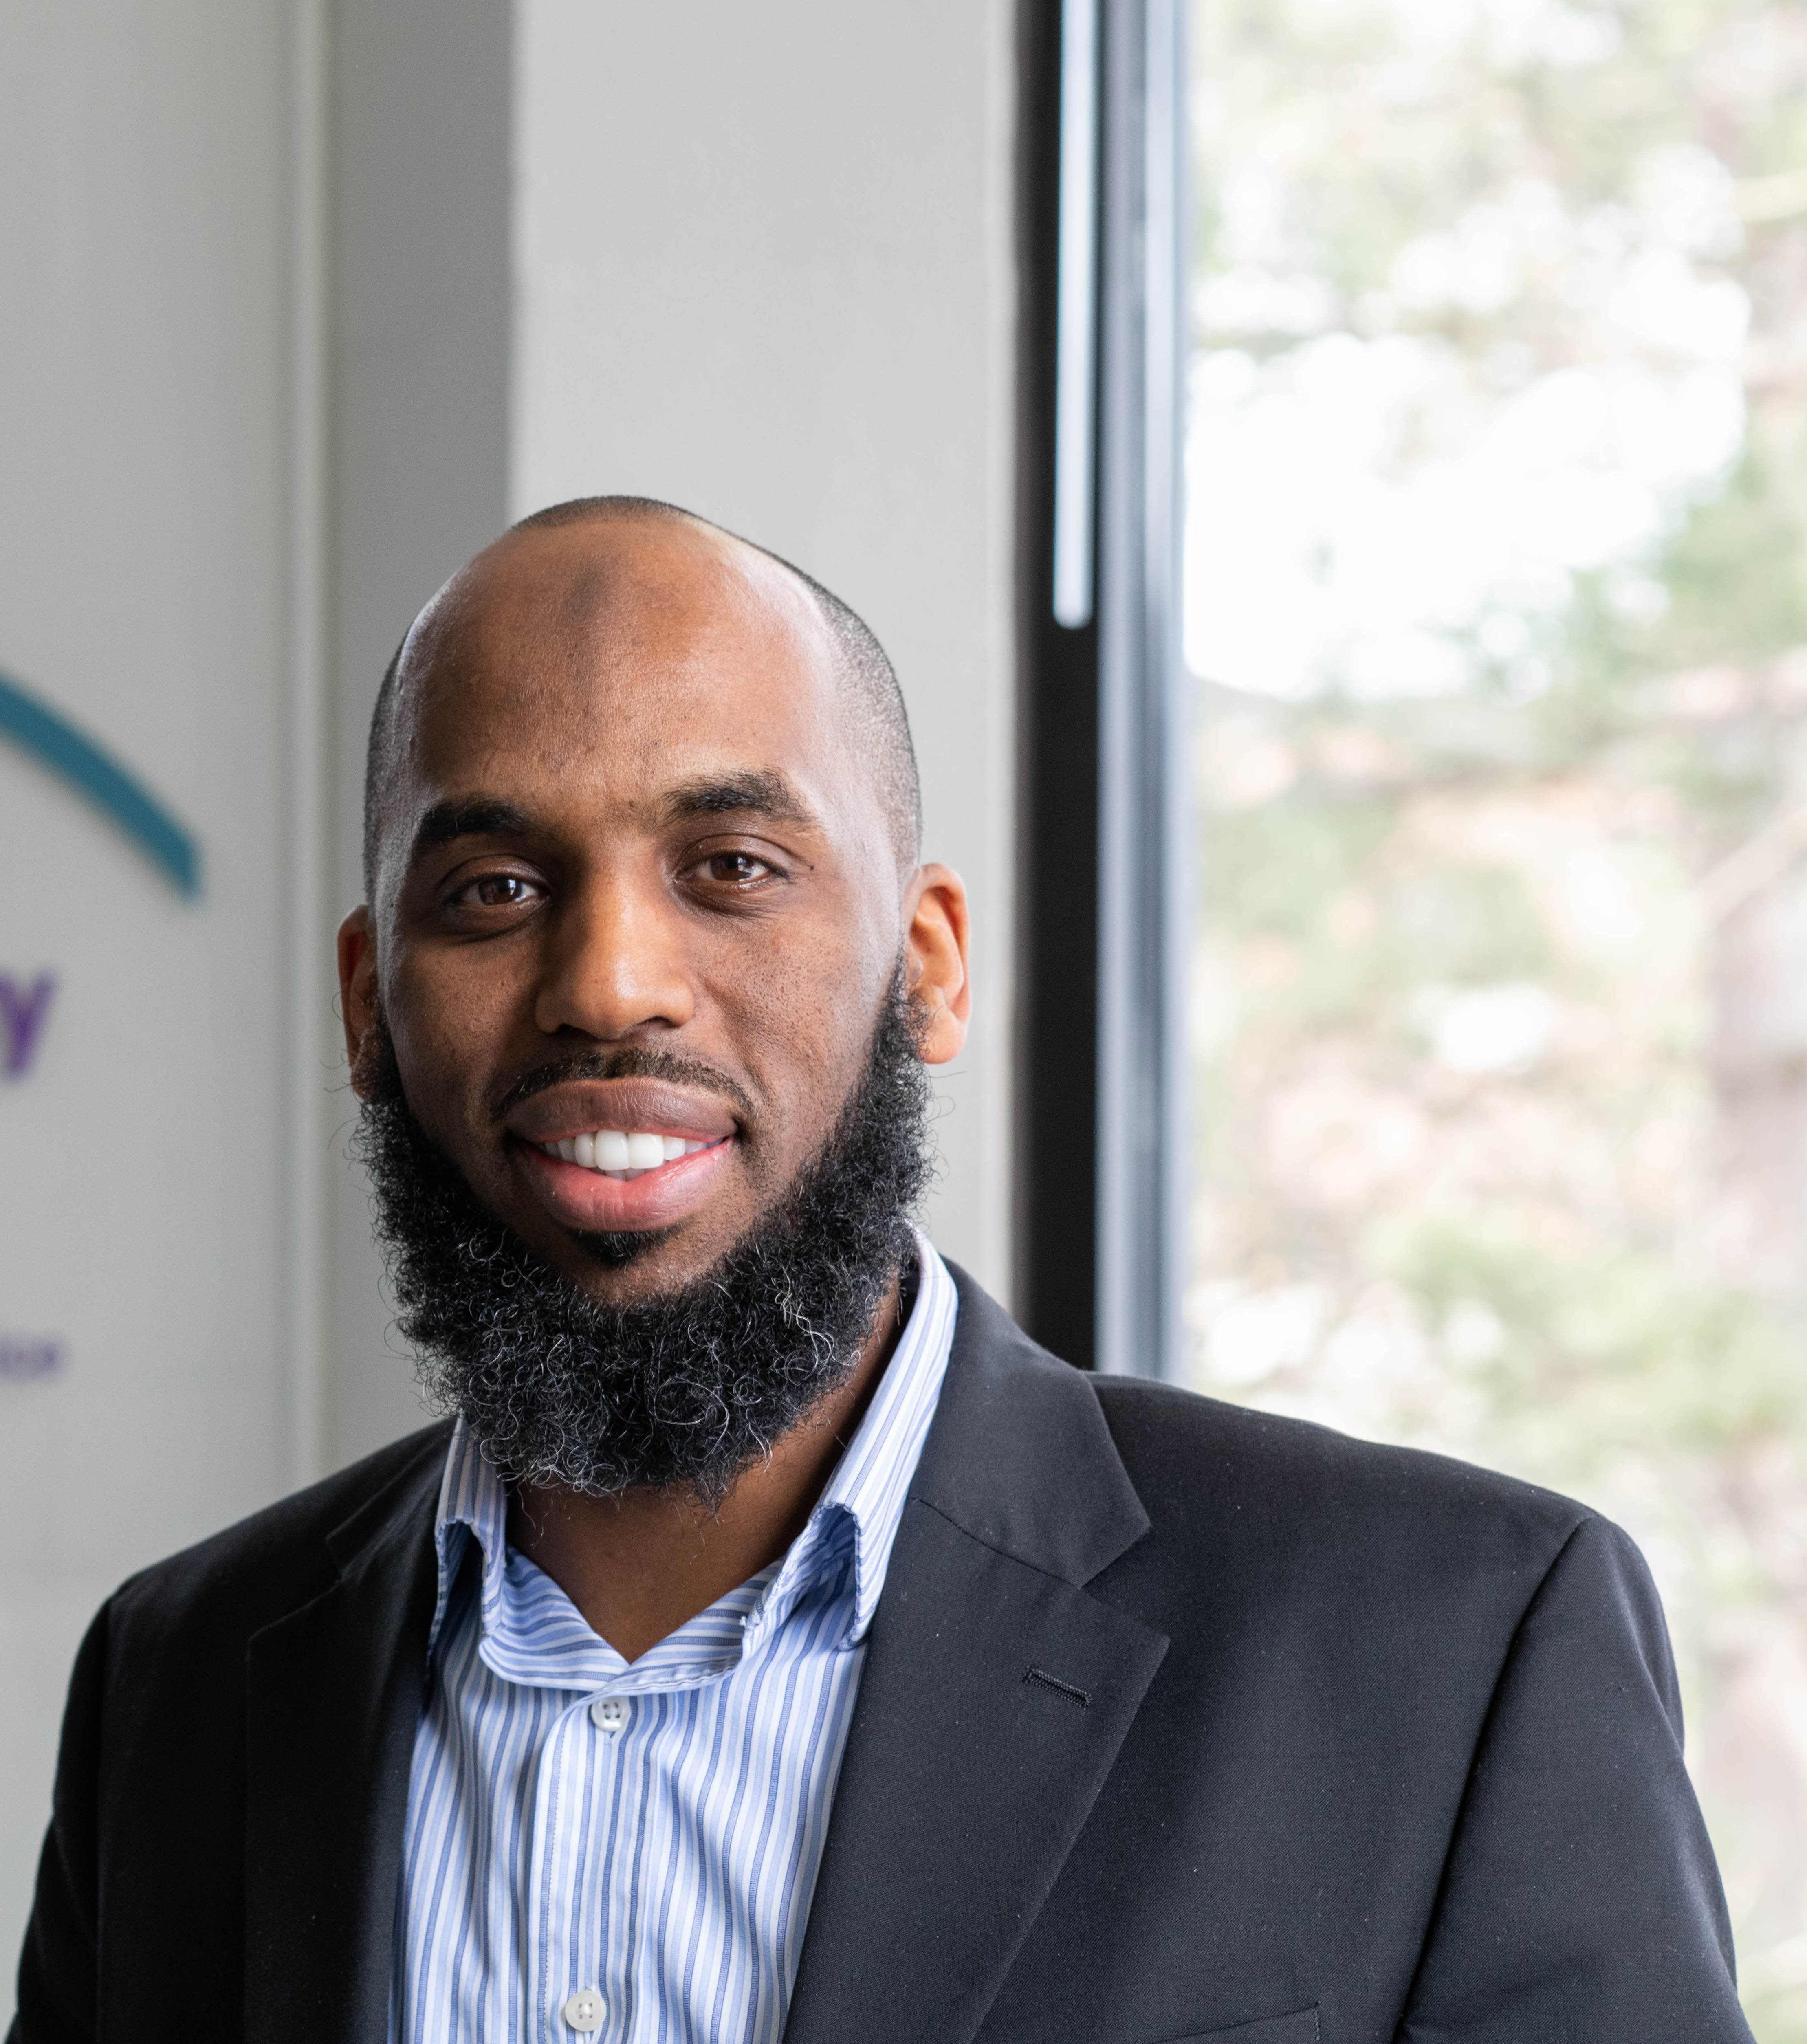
column 764, row 269
column 142, row 521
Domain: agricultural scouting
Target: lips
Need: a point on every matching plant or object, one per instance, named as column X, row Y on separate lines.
column 621, row 1154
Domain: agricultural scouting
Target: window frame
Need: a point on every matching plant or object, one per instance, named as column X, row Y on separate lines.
column 1104, row 830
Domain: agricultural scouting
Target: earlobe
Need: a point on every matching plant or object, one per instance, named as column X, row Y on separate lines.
column 942, row 1035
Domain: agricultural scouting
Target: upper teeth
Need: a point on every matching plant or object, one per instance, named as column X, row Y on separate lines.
column 623, row 1153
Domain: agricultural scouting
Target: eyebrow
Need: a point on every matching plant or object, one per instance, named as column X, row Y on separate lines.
column 754, row 793
column 476, row 815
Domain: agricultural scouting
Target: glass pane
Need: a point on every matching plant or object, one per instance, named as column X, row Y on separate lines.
column 1495, row 597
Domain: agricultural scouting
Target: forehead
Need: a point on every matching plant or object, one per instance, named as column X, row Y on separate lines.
column 615, row 656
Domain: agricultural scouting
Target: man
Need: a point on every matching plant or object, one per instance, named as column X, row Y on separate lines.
column 779, row 1643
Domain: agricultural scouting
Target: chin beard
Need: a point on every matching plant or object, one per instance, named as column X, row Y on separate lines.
column 678, row 1393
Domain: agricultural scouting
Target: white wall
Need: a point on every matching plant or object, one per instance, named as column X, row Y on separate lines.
column 143, row 553
column 752, row 255
column 417, row 427
column 764, row 268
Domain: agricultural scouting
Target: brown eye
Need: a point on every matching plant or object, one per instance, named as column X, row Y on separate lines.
column 502, row 890
column 734, row 867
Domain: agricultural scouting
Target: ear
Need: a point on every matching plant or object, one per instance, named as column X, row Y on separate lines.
column 357, row 987
column 936, row 911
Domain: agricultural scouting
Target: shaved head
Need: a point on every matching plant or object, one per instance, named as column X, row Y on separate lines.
column 870, row 699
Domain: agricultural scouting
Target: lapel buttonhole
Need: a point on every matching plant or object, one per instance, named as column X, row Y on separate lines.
column 1042, row 1680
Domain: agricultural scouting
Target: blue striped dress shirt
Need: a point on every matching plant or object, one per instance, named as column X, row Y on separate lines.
column 628, row 1852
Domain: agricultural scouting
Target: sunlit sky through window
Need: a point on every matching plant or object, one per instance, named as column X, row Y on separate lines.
column 1379, row 513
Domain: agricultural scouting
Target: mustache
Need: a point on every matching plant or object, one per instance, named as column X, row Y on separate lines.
column 630, row 1062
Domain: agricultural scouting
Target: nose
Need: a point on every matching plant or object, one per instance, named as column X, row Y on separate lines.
column 617, row 964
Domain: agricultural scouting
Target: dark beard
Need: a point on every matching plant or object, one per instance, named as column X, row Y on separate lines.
column 680, row 1392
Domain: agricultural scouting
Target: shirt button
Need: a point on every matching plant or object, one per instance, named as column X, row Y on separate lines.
column 608, row 1714
column 584, row 2010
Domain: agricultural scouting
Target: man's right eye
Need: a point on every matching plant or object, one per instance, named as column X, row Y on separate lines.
column 497, row 890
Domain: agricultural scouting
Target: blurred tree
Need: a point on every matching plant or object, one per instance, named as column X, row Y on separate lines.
column 1496, row 590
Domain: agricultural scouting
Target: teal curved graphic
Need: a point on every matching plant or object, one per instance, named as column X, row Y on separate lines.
column 120, row 796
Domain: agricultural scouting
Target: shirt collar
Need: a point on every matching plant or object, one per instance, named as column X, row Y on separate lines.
column 864, row 1499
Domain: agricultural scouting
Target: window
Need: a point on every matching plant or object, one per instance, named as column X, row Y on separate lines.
column 1495, row 605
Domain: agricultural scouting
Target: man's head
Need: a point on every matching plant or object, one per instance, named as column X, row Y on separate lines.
column 872, row 701
column 641, row 857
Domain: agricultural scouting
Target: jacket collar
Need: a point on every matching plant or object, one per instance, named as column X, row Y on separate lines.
column 1019, row 1456
column 996, row 1695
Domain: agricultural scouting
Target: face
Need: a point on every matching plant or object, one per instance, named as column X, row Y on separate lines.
column 637, row 907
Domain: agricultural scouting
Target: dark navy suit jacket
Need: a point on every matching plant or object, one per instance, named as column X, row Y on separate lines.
column 1177, row 1722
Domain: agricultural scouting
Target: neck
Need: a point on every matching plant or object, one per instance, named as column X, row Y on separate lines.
column 640, row 1565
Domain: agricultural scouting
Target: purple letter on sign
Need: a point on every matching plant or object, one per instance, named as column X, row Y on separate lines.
column 22, row 1010
column 22, row 1356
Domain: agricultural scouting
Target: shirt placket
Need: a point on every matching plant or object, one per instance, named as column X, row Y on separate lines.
column 563, row 2005
column 616, row 1729
column 627, row 1874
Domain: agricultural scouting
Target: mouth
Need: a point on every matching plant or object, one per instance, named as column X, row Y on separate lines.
column 625, row 1154
column 621, row 1155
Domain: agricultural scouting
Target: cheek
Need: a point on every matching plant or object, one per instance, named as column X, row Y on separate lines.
column 804, row 1004
column 449, row 1027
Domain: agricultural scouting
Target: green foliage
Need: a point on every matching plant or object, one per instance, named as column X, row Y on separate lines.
column 1527, row 1255
column 1734, row 572
column 1620, row 1352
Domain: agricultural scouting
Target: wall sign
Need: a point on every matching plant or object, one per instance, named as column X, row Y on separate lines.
column 91, row 772
column 25, row 1357
column 49, row 737
column 24, row 1004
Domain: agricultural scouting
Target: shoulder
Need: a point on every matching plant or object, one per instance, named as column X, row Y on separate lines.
column 1282, row 1500
column 1171, row 1440
column 1218, row 1479
column 278, row 1558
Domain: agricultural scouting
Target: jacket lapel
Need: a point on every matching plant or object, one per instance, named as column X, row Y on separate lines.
column 334, row 1692
column 995, row 1695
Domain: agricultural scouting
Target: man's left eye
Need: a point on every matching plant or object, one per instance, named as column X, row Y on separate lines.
column 734, row 867
column 500, row 890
